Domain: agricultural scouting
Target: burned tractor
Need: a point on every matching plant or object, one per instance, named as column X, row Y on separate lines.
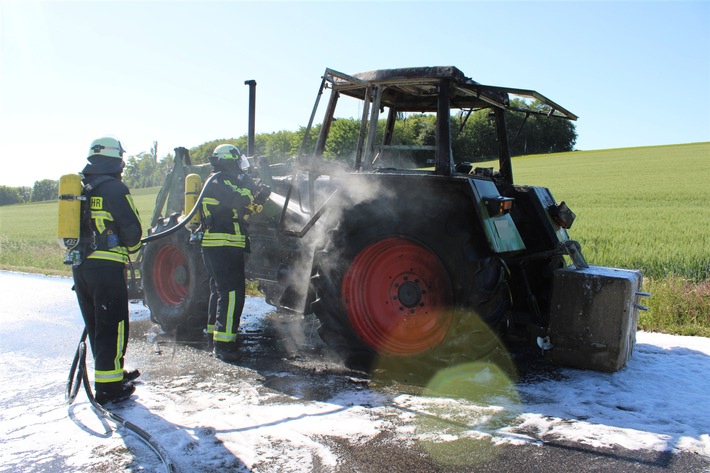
column 408, row 253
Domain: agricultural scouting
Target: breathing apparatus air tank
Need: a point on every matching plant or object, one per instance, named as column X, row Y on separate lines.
column 193, row 186
column 69, row 213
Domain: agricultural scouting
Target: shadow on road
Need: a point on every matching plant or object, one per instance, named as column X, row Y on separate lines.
column 184, row 438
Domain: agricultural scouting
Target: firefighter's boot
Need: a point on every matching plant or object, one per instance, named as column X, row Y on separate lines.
column 113, row 392
column 226, row 351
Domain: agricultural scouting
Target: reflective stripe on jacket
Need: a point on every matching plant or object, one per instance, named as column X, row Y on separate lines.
column 115, row 225
column 223, row 206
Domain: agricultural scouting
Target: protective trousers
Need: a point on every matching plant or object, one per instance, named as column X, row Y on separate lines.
column 103, row 299
column 225, row 265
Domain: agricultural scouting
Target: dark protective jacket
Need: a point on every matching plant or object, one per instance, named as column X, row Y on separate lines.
column 114, row 227
column 111, row 229
column 224, row 205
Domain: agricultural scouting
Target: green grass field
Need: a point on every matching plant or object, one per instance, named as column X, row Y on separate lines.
column 642, row 208
column 28, row 234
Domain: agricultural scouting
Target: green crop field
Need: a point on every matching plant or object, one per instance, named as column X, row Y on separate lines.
column 28, row 234
column 644, row 208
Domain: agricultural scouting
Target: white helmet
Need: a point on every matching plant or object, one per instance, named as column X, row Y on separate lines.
column 227, row 151
column 106, row 146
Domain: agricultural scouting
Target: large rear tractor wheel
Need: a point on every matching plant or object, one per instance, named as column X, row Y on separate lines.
column 175, row 283
column 412, row 288
column 397, row 294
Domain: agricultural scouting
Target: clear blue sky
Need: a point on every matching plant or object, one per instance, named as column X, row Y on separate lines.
column 636, row 73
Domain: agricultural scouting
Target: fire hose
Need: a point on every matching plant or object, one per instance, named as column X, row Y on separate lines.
column 173, row 229
column 188, row 217
column 78, row 374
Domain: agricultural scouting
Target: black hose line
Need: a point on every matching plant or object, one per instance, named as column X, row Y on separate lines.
column 78, row 374
column 195, row 208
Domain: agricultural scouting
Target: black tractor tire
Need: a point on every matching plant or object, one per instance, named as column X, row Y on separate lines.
column 415, row 288
column 176, row 283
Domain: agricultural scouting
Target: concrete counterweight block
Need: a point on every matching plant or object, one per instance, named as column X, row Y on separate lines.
column 593, row 317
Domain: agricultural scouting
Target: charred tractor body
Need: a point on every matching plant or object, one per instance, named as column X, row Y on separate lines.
column 408, row 253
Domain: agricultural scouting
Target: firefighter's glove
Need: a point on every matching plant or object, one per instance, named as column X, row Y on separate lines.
column 262, row 193
column 253, row 208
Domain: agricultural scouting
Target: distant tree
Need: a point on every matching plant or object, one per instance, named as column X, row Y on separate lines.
column 538, row 134
column 130, row 172
column 276, row 146
column 25, row 193
column 473, row 137
column 9, row 195
column 46, row 189
column 415, row 130
column 140, row 171
column 279, row 146
column 307, row 145
column 412, row 130
column 143, row 170
column 342, row 140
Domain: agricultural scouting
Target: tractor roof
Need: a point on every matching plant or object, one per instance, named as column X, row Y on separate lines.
column 415, row 89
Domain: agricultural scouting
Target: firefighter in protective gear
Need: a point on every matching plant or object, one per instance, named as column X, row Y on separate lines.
column 224, row 242
column 110, row 230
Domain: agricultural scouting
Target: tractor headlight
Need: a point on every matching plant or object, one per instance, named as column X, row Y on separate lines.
column 562, row 215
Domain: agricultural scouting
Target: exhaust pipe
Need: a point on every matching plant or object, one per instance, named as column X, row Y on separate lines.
column 252, row 113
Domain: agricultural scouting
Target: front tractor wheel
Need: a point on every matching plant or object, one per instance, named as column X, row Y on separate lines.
column 175, row 283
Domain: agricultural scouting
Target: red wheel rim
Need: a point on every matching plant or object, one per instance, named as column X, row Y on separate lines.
column 398, row 297
column 171, row 277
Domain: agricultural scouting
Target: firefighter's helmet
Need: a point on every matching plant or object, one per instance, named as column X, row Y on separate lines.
column 227, row 151
column 107, row 146
column 105, row 156
column 226, row 157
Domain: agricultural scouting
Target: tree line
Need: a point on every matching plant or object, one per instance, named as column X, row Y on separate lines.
column 473, row 140
column 473, row 137
column 46, row 189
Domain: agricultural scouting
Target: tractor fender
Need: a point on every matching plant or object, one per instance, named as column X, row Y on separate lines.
column 498, row 226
